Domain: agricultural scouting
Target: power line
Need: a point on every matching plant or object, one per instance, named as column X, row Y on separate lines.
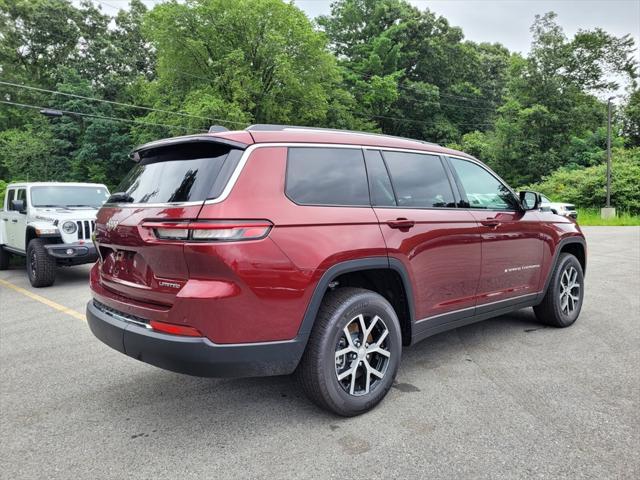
column 412, row 120
column 120, row 104
column 442, row 94
column 362, row 115
column 400, row 86
column 369, row 76
column 103, row 117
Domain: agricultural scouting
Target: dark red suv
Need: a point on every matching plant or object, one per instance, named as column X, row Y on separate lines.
column 278, row 249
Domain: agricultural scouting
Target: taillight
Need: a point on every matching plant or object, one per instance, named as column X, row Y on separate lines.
column 211, row 230
column 174, row 329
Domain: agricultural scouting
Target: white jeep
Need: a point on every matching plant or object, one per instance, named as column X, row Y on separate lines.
column 51, row 224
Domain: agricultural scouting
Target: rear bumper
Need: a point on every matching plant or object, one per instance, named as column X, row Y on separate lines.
column 193, row 356
column 80, row 252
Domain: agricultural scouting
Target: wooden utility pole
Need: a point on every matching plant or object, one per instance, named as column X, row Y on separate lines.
column 608, row 211
column 609, row 153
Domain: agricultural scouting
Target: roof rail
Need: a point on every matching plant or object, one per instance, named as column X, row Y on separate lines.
column 266, row 127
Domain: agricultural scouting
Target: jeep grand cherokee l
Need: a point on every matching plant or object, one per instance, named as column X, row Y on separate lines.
column 279, row 250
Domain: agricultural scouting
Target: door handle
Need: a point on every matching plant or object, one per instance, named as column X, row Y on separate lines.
column 14, row 221
column 490, row 222
column 401, row 223
column 6, row 219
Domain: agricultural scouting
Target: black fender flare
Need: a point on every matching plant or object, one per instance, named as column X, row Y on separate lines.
column 564, row 242
column 368, row 263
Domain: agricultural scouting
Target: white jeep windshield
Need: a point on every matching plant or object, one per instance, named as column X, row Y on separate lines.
column 68, row 196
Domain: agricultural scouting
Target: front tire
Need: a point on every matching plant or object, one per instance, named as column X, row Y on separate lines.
column 353, row 353
column 4, row 258
column 563, row 300
column 41, row 267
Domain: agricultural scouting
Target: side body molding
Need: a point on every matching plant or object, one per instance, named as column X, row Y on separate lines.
column 424, row 328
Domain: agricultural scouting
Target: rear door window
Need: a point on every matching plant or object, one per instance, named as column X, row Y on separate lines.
column 327, row 176
column 419, row 180
column 184, row 172
column 379, row 182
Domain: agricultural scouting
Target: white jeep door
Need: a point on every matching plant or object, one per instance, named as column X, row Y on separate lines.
column 17, row 222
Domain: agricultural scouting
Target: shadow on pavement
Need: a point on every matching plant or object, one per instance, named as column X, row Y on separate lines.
column 151, row 396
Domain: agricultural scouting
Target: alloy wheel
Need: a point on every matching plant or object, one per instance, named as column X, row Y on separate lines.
column 362, row 355
column 569, row 291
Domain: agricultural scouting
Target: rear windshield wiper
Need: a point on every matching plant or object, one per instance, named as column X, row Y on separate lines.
column 120, row 197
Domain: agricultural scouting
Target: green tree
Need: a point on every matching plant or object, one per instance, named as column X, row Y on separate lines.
column 254, row 60
column 585, row 187
column 631, row 119
column 25, row 154
column 551, row 117
column 424, row 79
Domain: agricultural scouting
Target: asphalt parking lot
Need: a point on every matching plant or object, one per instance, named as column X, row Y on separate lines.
column 506, row 398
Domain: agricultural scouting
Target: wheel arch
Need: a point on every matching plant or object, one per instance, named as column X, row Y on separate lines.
column 29, row 234
column 575, row 245
column 393, row 283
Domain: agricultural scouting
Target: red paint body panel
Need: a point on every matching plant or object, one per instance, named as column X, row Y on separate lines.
column 512, row 255
column 442, row 253
column 259, row 290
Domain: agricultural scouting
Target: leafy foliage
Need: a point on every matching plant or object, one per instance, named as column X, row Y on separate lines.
column 373, row 65
column 586, row 186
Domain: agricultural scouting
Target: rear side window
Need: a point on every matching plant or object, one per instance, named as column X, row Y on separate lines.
column 327, row 176
column 419, row 180
column 185, row 172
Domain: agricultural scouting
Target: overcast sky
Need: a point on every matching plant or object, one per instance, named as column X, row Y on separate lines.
column 503, row 21
column 508, row 21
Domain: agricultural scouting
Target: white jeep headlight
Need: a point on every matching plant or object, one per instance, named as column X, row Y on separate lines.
column 69, row 227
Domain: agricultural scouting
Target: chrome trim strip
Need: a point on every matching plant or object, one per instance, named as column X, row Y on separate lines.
column 481, row 305
column 122, row 318
column 444, row 314
column 245, row 157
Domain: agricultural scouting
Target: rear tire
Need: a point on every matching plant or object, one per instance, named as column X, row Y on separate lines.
column 41, row 268
column 355, row 381
column 563, row 300
column 4, row 258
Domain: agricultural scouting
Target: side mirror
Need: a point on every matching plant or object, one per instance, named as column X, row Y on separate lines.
column 530, row 200
column 19, row 206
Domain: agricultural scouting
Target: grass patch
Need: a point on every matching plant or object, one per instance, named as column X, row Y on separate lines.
column 591, row 217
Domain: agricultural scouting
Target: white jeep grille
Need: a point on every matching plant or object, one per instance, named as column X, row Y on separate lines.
column 85, row 229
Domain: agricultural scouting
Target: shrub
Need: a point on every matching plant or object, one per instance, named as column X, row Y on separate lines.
column 586, row 187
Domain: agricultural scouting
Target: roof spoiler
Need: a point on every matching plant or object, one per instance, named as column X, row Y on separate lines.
column 135, row 155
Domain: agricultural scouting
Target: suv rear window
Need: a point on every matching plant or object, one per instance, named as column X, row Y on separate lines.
column 184, row 172
column 327, row 176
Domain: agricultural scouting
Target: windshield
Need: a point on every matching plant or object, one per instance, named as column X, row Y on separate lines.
column 178, row 173
column 68, row 196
